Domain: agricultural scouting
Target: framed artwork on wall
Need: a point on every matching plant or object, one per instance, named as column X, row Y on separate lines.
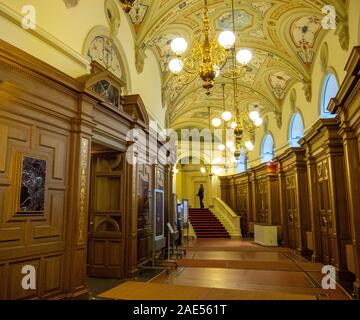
column 32, row 186
column 185, row 204
column 159, row 214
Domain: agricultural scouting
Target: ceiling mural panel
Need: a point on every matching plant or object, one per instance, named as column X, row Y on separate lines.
column 261, row 7
column 242, row 20
column 303, row 32
column 279, row 81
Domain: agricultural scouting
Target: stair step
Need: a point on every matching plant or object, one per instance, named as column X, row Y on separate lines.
column 206, row 224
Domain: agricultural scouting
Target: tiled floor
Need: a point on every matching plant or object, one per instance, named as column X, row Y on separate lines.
column 248, row 267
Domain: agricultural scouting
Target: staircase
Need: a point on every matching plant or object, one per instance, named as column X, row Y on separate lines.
column 206, row 224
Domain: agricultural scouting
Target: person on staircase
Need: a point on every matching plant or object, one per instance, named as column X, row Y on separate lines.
column 201, row 196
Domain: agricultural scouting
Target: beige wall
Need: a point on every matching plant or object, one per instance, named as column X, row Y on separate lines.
column 59, row 41
column 187, row 180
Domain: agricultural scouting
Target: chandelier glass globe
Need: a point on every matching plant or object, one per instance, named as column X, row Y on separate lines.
column 221, row 147
column 217, row 71
column 175, row 66
column 216, row 122
column 244, row 56
column 249, row 145
column 258, row 122
column 226, row 39
column 253, row 115
column 233, row 125
column 179, row 46
column 226, row 115
column 203, row 170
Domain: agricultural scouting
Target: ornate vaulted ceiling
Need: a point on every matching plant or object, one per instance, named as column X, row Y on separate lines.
column 284, row 36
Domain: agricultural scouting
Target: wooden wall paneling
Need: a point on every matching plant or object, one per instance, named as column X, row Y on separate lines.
column 170, row 216
column 313, row 209
column 26, row 235
column 274, row 200
column 340, row 212
column 267, row 194
column 3, row 282
column 144, row 218
column 293, row 198
column 232, row 194
column 329, row 197
column 346, row 106
column 79, row 179
column 59, row 129
column 3, row 146
column 15, row 290
column 131, row 225
column 107, row 215
column 254, row 212
column 286, row 239
column 304, row 224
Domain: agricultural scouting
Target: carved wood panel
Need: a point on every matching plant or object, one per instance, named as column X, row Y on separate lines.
column 291, row 209
column 242, row 200
column 325, row 213
column 27, row 233
column 144, row 218
column 106, row 256
column 262, row 202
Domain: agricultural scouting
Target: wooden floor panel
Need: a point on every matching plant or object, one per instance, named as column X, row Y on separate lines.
column 246, row 266
column 224, row 269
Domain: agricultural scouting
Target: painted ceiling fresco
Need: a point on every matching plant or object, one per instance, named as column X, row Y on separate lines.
column 284, row 36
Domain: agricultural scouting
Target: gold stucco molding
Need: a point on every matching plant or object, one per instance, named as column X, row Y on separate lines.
column 71, row 3
column 84, row 159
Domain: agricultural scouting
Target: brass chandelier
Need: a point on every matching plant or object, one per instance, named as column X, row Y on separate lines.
column 208, row 58
column 244, row 125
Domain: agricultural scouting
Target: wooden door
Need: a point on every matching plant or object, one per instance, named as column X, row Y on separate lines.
column 325, row 214
column 106, row 227
column 291, row 210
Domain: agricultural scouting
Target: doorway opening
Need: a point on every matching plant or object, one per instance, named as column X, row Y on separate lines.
column 106, row 233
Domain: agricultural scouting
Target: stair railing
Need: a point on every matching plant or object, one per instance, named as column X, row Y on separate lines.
column 227, row 217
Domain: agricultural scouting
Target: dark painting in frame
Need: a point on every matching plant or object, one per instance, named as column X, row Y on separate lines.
column 159, row 213
column 32, row 190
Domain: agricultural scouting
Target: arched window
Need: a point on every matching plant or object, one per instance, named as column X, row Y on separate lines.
column 242, row 163
column 296, row 130
column 330, row 91
column 267, row 149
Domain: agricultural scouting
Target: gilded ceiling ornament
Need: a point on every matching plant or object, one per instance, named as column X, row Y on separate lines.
column 71, row 3
column 114, row 26
column 342, row 32
column 266, row 124
column 324, row 57
column 278, row 118
column 308, row 90
column 113, row 16
column 279, row 82
column 139, row 59
column 293, row 100
column 304, row 32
